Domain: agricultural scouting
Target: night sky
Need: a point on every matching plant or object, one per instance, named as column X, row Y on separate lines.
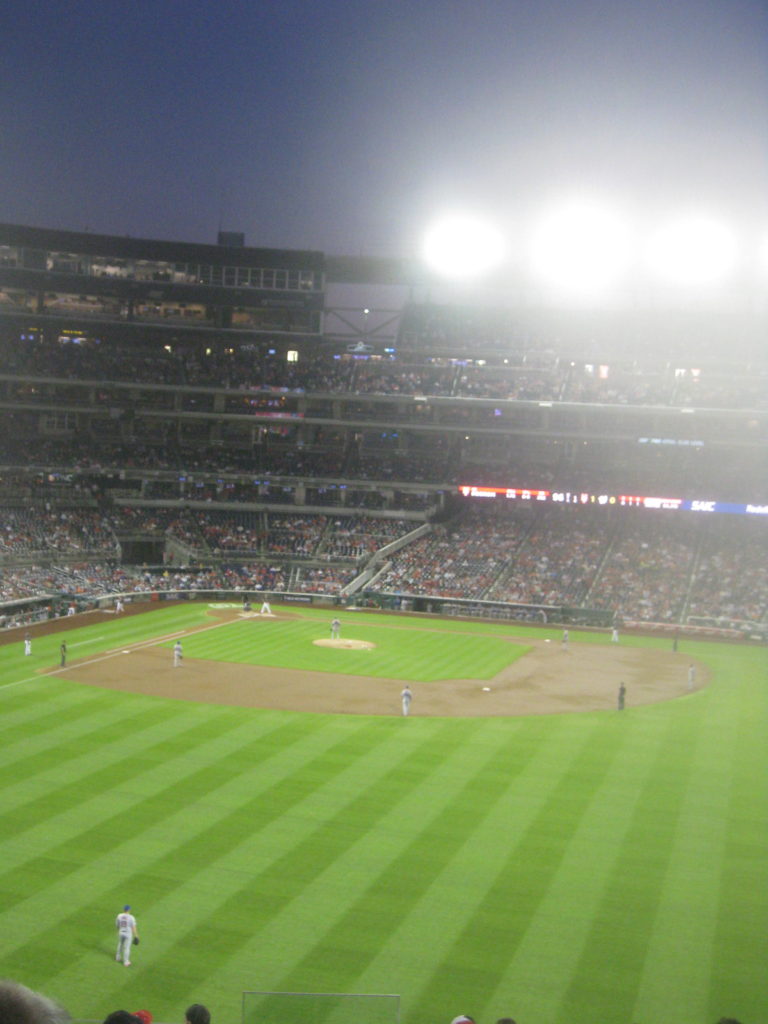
column 346, row 126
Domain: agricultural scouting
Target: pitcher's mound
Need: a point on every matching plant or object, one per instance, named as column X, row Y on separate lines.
column 350, row 645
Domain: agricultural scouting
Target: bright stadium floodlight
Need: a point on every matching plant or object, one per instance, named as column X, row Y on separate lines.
column 581, row 249
column 463, row 246
column 762, row 258
column 692, row 251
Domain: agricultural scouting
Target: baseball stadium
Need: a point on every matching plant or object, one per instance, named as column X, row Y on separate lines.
column 549, row 525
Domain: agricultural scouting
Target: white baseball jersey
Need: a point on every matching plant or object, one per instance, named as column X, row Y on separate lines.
column 125, row 923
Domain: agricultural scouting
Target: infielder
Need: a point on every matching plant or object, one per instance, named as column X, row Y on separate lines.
column 614, row 635
column 406, row 696
column 119, row 606
column 126, row 933
column 178, row 654
column 335, row 629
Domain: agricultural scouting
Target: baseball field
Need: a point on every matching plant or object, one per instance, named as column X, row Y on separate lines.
column 516, row 847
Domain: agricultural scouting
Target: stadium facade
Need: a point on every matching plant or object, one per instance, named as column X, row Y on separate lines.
column 179, row 393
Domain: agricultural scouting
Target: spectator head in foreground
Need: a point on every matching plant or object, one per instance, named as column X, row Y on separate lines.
column 20, row 1005
column 198, row 1014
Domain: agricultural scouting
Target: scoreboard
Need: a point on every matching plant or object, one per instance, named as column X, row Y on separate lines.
column 554, row 497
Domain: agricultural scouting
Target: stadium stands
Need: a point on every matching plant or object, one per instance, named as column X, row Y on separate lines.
column 161, row 416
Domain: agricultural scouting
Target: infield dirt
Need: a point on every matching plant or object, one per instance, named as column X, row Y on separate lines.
column 548, row 679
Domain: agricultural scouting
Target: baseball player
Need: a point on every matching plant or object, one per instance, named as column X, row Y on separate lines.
column 178, row 654
column 691, row 676
column 119, row 607
column 265, row 609
column 126, row 933
column 63, row 653
column 406, row 696
column 622, row 696
column 614, row 635
column 27, row 644
column 335, row 629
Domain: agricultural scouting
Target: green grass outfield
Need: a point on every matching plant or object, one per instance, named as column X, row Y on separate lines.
column 561, row 869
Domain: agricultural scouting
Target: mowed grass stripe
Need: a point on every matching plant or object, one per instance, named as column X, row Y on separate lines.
column 156, row 860
column 607, row 975
column 680, row 951
column 105, row 756
column 102, row 728
column 42, row 710
column 292, row 823
column 482, row 946
column 123, row 839
column 418, row 655
column 547, row 951
column 428, row 893
column 264, row 894
column 120, row 813
column 303, row 830
column 742, row 921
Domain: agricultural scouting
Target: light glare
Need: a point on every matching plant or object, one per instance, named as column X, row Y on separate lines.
column 692, row 251
column 463, row 246
column 581, row 248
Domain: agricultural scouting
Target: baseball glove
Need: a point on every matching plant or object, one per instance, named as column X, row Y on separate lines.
column 135, row 940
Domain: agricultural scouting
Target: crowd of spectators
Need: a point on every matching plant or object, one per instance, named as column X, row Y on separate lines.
column 662, row 567
column 457, row 560
column 729, row 582
column 646, row 567
column 521, row 373
column 30, row 531
column 642, row 567
column 556, row 564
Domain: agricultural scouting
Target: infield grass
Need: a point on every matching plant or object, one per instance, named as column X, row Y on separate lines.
column 562, row 869
column 400, row 649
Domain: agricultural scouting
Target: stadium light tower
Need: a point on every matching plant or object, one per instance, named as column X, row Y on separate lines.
column 581, row 249
column 463, row 246
column 693, row 251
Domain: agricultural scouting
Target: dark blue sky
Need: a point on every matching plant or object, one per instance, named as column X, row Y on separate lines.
column 345, row 126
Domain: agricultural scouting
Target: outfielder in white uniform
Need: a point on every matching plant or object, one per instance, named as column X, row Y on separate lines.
column 406, row 696
column 126, row 930
column 27, row 645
